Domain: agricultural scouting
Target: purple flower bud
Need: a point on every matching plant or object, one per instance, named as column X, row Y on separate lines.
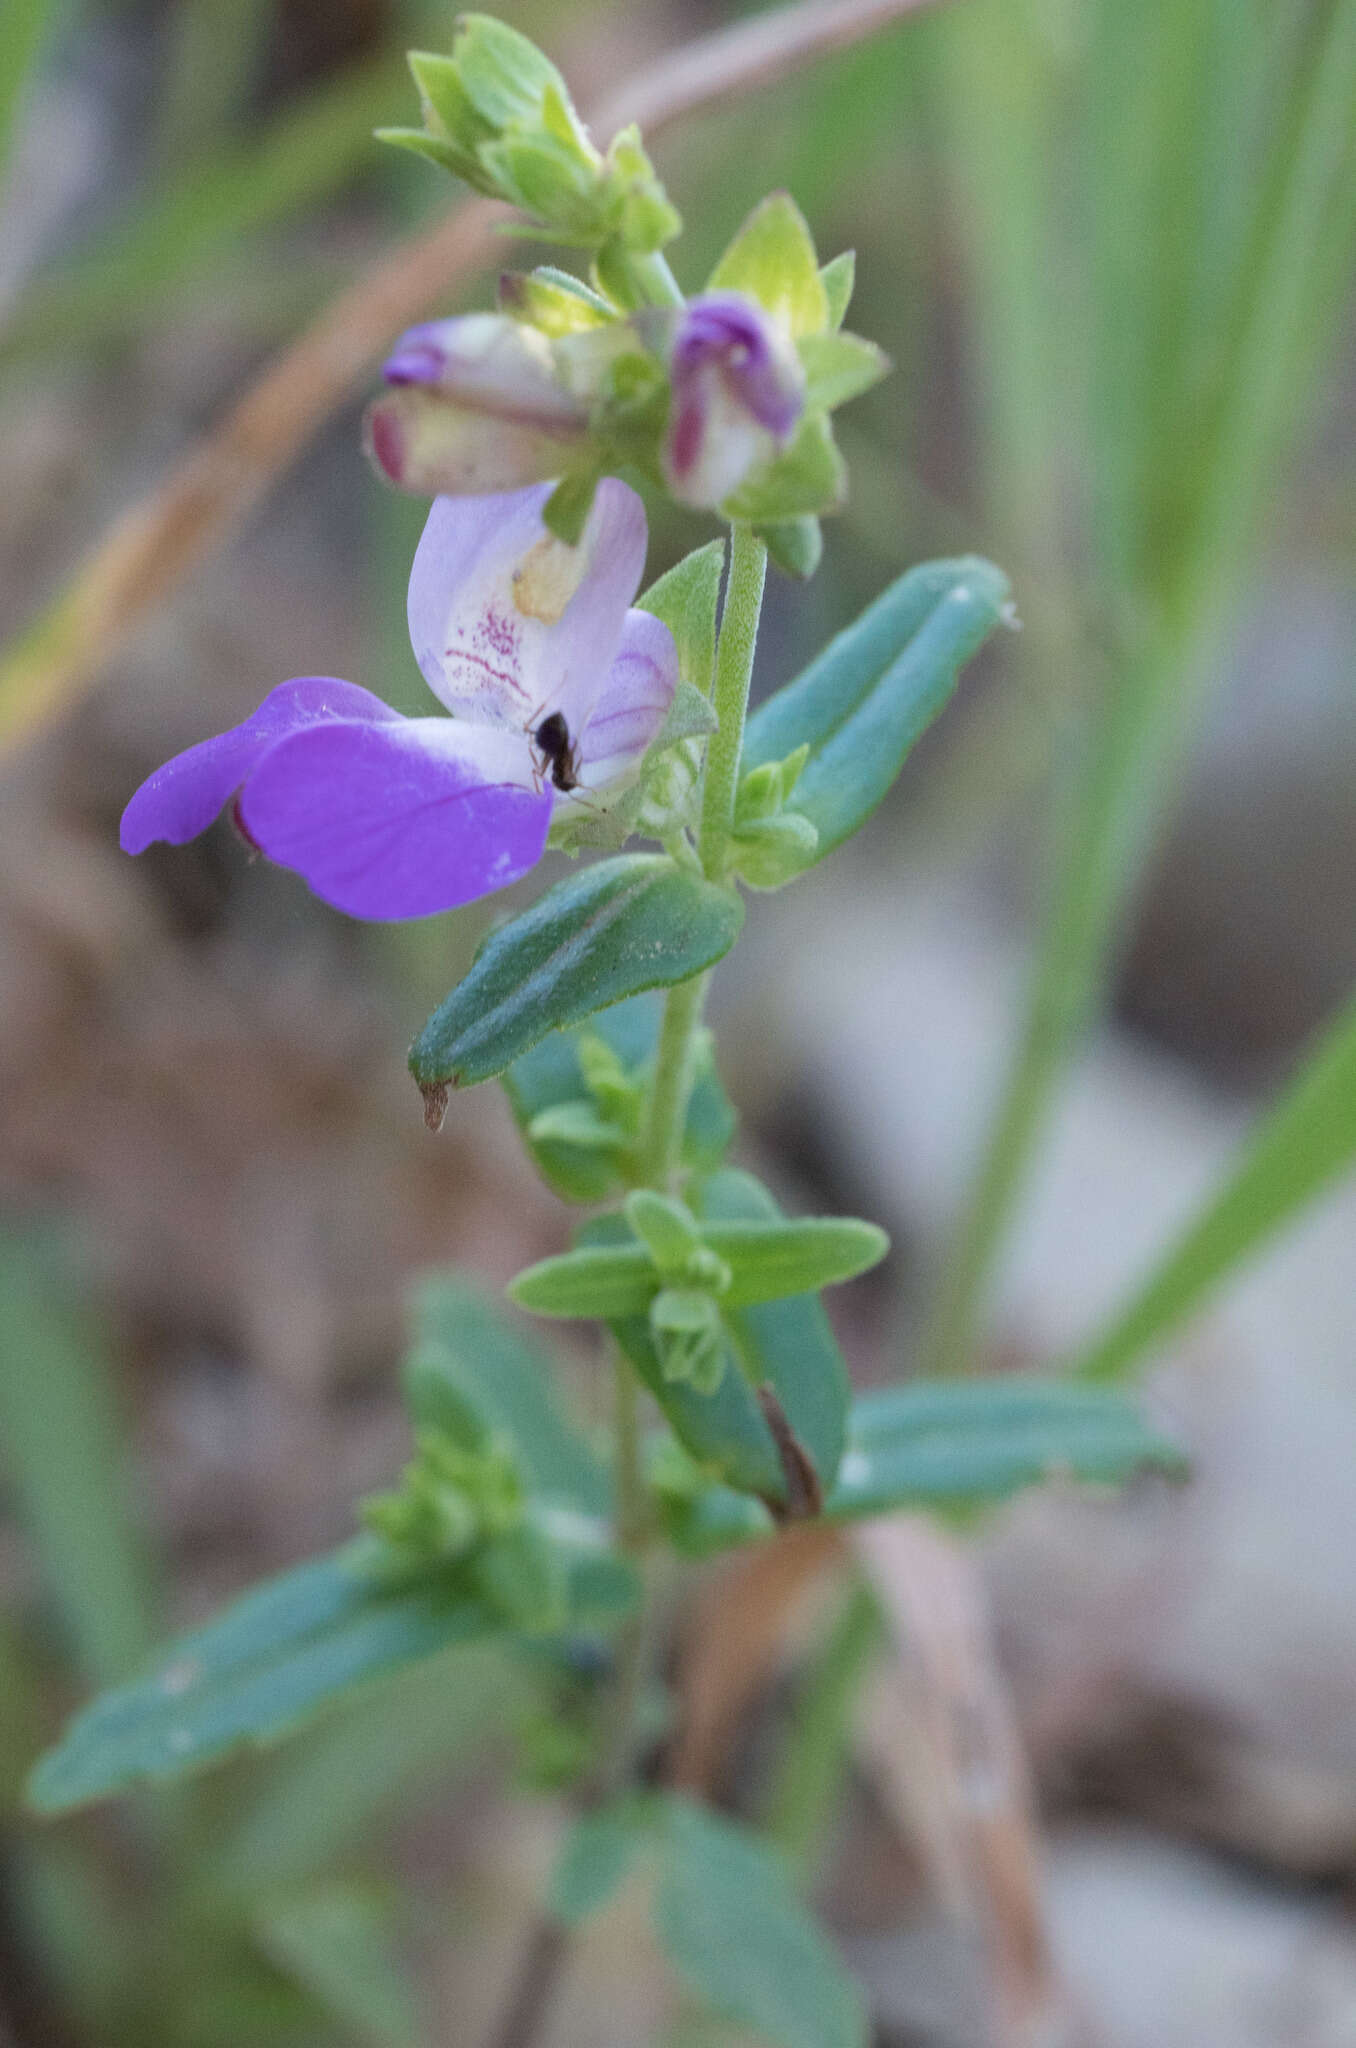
column 488, row 363
column 738, row 393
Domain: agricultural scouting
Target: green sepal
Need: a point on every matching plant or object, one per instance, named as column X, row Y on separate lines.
column 786, row 1344
column 949, row 1447
column 875, row 689
column 623, row 925
column 688, row 1337
column 575, row 1086
column 686, row 599
column 554, row 301
column 806, row 479
column 507, row 80
column 772, row 258
column 645, row 217
column 795, row 546
column 767, row 1260
column 838, row 278
column 438, row 150
column 765, row 789
column 767, row 853
column 839, row 367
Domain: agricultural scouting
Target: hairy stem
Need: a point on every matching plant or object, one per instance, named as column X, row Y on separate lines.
column 674, row 1062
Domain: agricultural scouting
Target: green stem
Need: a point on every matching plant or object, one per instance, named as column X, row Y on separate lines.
column 674, row 1061
column 655, row 281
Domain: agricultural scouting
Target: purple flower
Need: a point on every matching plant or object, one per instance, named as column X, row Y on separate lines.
column 556, row 689
column 478, row 403
column 738, row 393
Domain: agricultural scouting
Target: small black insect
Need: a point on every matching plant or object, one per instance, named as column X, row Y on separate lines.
column 553, row 742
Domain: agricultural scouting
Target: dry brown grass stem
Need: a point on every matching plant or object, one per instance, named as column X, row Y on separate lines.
column 152, row 546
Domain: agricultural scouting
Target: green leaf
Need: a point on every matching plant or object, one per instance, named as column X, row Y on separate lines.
column 874, row 690
column 809, row 477
column 597, row 1854
column 838, row 277
column 955, row 1445
column 504, row 75
column 63, row 1452
column 621, row 926
column 296, row 1644
column 337, row 1783
column 839, row 367
column 767, row 1261
column 465, row 1345
column 335, row 1941
column 787, row 1344
column 729, row 1921
column 686, row 599
column 772, row 259
column 584, row 1147
column 1297, row 1149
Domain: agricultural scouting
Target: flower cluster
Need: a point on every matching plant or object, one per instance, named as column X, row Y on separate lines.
column 516, row 422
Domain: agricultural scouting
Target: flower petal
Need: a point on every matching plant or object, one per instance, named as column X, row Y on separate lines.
column 486, row 362
column 399, row 820
column 422, row 443
column 507, row 622
column 182, row 798
column 738, row 393
column 633, row 704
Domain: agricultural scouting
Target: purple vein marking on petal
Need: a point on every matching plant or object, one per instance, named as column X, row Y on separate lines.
column 398, row 822
column 182, row 798
column 460, row 599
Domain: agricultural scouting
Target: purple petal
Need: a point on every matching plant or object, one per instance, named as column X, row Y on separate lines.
column 633, row 704
column 399, row 820
column 182, row 798
column 508, row 623
column 731, row 333
column 487, row 362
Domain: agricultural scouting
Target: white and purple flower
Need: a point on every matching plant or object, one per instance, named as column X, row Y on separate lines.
column 737, row 397
column 556, row 687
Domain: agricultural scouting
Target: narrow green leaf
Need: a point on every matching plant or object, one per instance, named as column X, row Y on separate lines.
column 1297, row 1149
column 772, row 258
column 767, row 1261
column 29, row 25
column 63, row 1452
column 686, row 599
column 731, row 1925
column 335, row 1941
column 956, row 1445
column 465, row 1343
column 874, row 690
column 598, row 1853
column 296, row 1644
column 623, row 925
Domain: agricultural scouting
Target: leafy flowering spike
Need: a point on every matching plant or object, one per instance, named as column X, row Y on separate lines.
column 557, row 687
column 738, row 390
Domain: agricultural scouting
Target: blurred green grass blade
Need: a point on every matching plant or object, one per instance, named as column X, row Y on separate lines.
column 214, row 50
column 336, row 1942
column 308, row 1807
column 24, row 35
column 1298, row 1148
column 64, row 1455
column 814, row 1759
column 177, row 230
column 1299, row 275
